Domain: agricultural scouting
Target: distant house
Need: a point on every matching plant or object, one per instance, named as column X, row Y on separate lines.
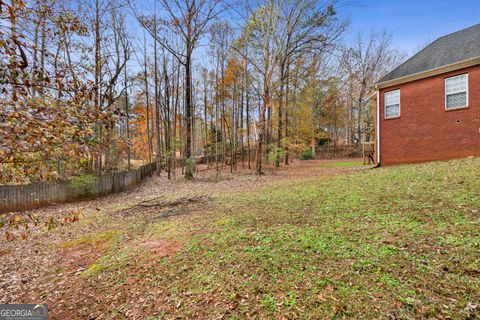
column 429, row 107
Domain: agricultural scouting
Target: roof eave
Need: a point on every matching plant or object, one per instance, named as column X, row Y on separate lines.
column 429, row 73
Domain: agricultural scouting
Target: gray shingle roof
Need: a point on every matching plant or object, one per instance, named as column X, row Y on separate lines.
column 455, row 47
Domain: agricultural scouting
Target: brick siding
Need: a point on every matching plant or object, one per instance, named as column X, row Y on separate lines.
column 425, row 131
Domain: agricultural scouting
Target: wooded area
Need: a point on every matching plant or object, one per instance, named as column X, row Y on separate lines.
column 99, row 86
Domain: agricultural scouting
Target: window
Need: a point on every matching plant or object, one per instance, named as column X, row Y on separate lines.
column 456, row 92
column 392, row 104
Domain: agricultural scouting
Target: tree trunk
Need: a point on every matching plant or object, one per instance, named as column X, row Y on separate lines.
column 280, row 114
column 188, row 115
column 157, row 105
column 261, row 134
column 175, row 116
column 247, row 106
column 242, row 146
column 359, row 121
column 168, row 122
column 286, row 118
column 145, row 73
column 98, row 158
column 205, row 148
column 268, row 133
column 261, row 131
column 127, row 113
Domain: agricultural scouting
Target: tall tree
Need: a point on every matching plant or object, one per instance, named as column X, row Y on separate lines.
column 363, row 63
column 304, row 27
column 261, row 28
column 189, row 20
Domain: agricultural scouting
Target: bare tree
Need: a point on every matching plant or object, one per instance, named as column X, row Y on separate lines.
column 363, row 64
column 189, row 20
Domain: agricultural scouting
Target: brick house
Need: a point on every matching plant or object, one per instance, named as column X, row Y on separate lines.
column 428, row 108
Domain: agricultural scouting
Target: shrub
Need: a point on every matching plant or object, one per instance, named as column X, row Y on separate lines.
column 307, row 155
column 85, row 165
column 189, row 164
column 83, row 185
column 275, row 154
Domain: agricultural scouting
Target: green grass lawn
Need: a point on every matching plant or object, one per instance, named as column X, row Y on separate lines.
column 391, row 243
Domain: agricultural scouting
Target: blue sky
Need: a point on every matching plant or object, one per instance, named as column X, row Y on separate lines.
column 411, row 22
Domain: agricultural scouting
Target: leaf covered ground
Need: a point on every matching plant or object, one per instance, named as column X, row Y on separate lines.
column 317, row 240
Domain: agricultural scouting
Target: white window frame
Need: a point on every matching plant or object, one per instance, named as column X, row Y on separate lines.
column 445, row 91
column 385, row 104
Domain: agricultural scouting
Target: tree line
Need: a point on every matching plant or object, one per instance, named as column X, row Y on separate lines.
column 93, row 87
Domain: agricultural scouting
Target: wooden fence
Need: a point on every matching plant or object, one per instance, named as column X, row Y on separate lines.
column 35, row 195
column 335, row 152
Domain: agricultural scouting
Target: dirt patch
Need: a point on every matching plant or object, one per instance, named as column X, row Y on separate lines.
column 4, row 252
column 161, row 248
column 79, row 257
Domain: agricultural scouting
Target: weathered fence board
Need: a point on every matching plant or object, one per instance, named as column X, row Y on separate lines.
column 35, row 195
column 343, row 151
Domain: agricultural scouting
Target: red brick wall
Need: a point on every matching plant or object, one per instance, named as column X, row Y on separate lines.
column 425, row 131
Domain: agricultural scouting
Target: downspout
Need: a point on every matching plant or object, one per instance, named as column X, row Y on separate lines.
column 378, row 127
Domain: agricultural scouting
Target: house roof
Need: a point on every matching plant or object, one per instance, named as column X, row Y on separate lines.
column 455, row 47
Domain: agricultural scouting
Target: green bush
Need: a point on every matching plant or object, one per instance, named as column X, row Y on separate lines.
column 85, row 165
column 275, row 154
column 84, row 185
column 189, row 164
column 307, row 155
